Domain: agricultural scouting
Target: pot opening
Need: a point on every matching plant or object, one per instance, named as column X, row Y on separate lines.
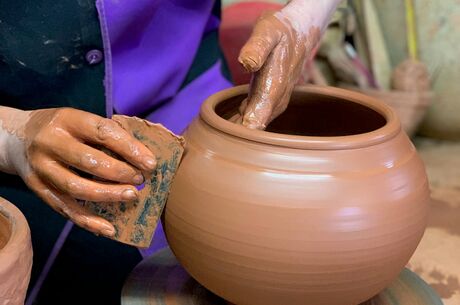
column 314, row 114
column 5, row 230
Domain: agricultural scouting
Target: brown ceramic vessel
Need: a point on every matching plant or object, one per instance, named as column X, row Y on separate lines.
column 324, row 208
column 15, row 255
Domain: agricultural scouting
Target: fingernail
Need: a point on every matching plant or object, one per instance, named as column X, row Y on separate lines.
column 138, row 179
column 150, row 163
column 249, row 64
column 108, row 233
column 107, row 229
column 129, row 194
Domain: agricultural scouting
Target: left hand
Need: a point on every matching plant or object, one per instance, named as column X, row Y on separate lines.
column 276, row 53
column 46, row 147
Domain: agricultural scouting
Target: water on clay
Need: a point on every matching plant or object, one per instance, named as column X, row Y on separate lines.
column 316, row 115
column 5, row 231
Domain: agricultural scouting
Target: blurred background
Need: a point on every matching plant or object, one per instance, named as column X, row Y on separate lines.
column 406, row 53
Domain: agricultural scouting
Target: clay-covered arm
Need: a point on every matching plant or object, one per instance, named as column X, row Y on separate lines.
column 276, row 53
column 46, row 146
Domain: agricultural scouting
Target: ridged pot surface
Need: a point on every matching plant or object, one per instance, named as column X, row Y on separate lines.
column 328, row 216
column 15, row 255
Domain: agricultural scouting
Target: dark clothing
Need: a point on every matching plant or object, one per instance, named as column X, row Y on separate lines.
column 42, row 51
column 43, row 64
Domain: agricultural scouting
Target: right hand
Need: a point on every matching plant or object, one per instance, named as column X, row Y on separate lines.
column 52, row 142
column 276, row 52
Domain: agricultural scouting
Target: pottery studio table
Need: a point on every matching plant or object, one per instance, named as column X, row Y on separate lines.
column 161, row 280
column 437, row 258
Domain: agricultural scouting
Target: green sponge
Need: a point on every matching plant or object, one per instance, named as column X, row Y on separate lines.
column 135, row 222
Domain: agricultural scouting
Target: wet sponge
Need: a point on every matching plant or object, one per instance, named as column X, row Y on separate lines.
column 135, row 222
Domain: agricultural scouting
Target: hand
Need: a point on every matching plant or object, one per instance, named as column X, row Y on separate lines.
column 276, row 53
column 49, row 144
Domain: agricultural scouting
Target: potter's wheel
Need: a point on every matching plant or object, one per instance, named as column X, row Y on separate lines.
column 160, row 280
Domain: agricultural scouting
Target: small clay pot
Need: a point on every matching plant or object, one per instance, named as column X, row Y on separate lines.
column 325, row 207
column 15, row 255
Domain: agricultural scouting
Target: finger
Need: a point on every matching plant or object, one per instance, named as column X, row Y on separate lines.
column 257, row 115
column 67, row 182
column 262, row 41
column 69, row 207
column 267, row 89
column 283, row 102
column 108, row 133
column 236, row 118
column 281, row 106
column 96, row 162
column 243, row 106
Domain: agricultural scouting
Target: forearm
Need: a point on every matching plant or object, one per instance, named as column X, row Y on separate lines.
column 12, row 122
column 307, row 14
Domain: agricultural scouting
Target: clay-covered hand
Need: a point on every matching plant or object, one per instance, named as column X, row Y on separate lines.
column 276, row 52
column 46, row 147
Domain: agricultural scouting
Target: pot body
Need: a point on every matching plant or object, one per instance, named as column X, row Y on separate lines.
column 15, row 255
column 263, row 224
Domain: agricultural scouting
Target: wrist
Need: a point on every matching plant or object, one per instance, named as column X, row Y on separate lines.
column 303, row 15
column 12, row 139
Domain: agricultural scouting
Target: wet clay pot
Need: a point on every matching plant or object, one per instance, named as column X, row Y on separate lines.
column 15, row 255
column 324, row 208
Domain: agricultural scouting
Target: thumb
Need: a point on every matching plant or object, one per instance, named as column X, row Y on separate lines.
column 263, row 40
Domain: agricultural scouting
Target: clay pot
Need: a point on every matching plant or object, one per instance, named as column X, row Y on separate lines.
column 15, row 255
column 326, row 207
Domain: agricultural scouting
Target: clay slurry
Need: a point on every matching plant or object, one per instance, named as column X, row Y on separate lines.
column 135, row 221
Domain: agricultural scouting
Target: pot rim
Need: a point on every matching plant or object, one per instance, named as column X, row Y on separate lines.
column 19, row 229
column 382, row 134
